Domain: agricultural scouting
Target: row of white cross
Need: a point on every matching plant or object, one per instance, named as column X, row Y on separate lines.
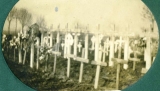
column 100, row 52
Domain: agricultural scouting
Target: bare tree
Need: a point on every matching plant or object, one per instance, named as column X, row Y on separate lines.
column 24, row 17
column 10, row 18
column 147, row 14
column 42, row 27
column 16, row 17
column 41, row 22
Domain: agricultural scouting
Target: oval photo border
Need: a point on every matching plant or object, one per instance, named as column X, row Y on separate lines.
column 149, row 82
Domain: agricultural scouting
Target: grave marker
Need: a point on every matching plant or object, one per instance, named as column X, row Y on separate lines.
column 107, row 45
column 116, row 45
column 51, row 39
column 86, row 46
column 97, row 59
column 126, row 51
column 56, row 52
column 147, row 55
column 75, row 43
column 111, row 55
column 38, row 45
column 62, row 45
column 65, row 46
column 42, row 38
column 93, row 42
column 79, row 46
column 135, row 51
column 58, row 41
column 84, row 58
column 105, row 49
column 20, row 48
column 32, row 50
column 135, row 59
column 67, row 53
column 118, row 61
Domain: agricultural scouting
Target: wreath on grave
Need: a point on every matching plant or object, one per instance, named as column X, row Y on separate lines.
column 4, row 42
column 138, row 45
column 44, row 53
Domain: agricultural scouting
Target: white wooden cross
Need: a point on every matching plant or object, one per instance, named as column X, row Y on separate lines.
column 148, row 57
column 119, row 61
column 111, row 52
column 20, row 47
column 65, row 46
column 68, row 44
column 105, row 49
column 38, row 48
column 62, row 45
column 135, row 59
column 116, row 46
column 84, row 58
column 75, row 43
column 51, row 39
column 79, row 47
column 100, row 52
column 148, row 53
column 93, row 42
column 86, row 46
column 120, row 41
column 106, row 46
column 58, row 41
column 56, row 51
column 67, row 50
column 100, row 38
column 42, row 39
column 32, row 51
column 97, row 58
column 126, row 51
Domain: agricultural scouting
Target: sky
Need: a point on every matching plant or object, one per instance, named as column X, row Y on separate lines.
column 126, row 15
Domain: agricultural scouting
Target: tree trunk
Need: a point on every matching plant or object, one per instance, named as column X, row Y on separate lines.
column 16, row 26
column 24, row 57
column 9, row 23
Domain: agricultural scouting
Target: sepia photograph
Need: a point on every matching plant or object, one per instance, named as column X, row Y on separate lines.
column 79, row 45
